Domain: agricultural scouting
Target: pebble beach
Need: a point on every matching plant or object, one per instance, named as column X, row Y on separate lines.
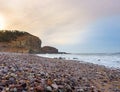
column 31, row 73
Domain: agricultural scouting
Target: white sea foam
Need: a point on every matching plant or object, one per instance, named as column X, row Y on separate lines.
column 108, row 60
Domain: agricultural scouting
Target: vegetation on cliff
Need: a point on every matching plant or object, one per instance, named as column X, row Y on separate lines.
column 7, row 36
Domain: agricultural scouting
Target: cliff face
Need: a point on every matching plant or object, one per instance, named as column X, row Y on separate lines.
column 26, row 43
column 49, row 49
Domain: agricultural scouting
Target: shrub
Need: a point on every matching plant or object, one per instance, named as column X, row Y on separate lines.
column 7, row 36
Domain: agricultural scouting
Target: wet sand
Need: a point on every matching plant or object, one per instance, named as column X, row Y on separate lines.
column 31, row 73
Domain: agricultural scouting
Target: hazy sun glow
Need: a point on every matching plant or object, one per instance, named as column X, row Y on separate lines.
column 2, row 22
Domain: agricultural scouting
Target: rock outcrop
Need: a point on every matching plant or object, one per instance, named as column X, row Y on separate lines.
column 22, row 42
column 25, row 43
column 49, row 49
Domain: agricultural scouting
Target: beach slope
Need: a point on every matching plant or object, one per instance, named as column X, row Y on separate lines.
column 31, row 73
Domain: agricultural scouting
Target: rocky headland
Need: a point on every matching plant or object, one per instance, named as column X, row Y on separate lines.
column 49, row 49
column 22, row 42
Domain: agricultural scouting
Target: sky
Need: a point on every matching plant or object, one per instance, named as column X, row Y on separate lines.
column 78, row 26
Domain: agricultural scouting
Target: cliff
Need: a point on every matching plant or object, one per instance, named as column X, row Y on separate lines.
column 22, row 42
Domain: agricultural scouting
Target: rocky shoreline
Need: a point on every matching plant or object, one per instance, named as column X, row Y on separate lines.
column 31, row 73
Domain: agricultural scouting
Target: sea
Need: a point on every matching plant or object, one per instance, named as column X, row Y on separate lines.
column 108, row 60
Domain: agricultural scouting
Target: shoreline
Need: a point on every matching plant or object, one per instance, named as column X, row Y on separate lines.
column 109, row 61
column 55, row 74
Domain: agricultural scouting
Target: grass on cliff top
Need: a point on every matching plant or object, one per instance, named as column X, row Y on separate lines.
column 7, row 36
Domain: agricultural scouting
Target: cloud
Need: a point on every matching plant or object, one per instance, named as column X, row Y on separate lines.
column 59, row 22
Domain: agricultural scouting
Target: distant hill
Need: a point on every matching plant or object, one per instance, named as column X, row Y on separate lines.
column 20, row 42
